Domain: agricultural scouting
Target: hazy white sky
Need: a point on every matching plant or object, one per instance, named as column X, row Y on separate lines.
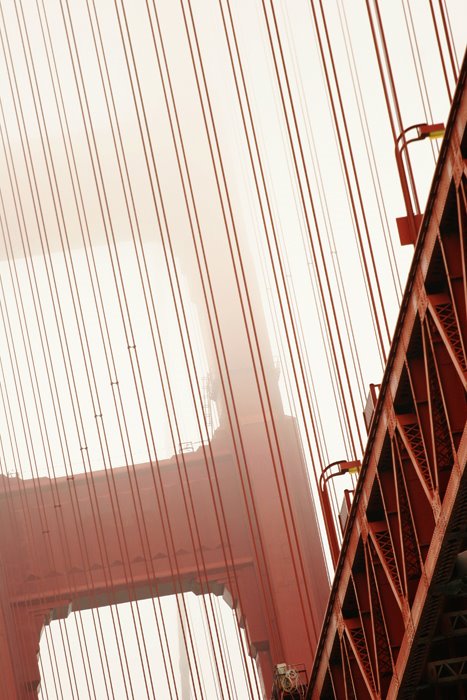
column 56, row 104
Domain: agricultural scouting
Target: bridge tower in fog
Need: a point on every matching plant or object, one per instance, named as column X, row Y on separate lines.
column 235, row 515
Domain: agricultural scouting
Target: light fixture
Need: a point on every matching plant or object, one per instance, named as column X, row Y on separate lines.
column 431, row 131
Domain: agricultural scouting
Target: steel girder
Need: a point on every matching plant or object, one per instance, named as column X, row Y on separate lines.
column 394, row 625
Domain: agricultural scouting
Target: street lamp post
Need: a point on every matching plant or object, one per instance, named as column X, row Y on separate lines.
column 345, row 467
column 408, row 226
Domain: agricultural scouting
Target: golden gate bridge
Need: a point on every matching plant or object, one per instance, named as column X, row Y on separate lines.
column 205, row 393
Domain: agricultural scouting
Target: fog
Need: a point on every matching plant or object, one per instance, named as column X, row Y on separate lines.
column 161, row 269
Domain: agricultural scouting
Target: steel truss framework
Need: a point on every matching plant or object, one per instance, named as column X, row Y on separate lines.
column 396, row 621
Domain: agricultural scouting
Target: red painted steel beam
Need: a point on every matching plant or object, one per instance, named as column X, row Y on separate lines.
column 407, row 522
column 45, row 584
